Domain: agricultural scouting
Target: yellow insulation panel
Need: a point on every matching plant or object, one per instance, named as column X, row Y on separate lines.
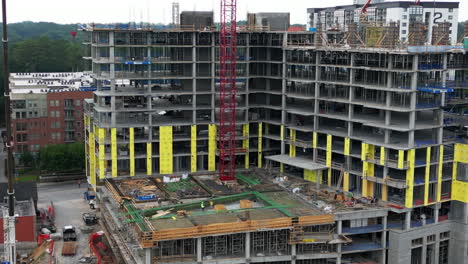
column 459, row 191
column 439, row 173
column 92, row 159
column 329, row 151
column 149, row 158
column 245, row 144
column 165, row 150
column 347, row 146
column 310, row 175
column 346, row 181
column 382, row 155
column 461, row 153
column 102, row 153
column 314, row 140
column 292, row 146
column 114, row 151
column 132, row 151
column 260, row 143
column 427, row 173
column 410, row 179
column 384, row 193
column 282, row 133
column 193, row 148
column 211, row 147
column 401, row 159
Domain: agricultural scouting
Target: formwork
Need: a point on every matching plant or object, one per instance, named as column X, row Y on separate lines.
column 154, row 222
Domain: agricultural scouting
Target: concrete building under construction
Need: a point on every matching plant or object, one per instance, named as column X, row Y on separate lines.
column 345, row 152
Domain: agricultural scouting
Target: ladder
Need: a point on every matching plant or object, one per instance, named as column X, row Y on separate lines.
column 297, row 232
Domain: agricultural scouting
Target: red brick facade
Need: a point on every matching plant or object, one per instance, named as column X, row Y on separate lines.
column 63, row 122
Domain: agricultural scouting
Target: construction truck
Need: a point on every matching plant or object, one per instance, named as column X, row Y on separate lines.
column 69, row 241
column 100, row 248
column 69, row 233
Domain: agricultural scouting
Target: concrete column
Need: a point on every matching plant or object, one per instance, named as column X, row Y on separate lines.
column 384, row 239
column 338, row 259
column 194, row 80
column 247, row 84
column 408, row 220
column 437, row 249
column 339, row 230
column 148, row 256
column 112, row 77
column 424, row 250
column 293, row 253
column 412, row 115
column 199, row 250
column 283, row 103
column 247, row 247
column 436, row 213
column 213, row 79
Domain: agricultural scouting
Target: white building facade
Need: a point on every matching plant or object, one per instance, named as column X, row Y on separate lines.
column 383, row 13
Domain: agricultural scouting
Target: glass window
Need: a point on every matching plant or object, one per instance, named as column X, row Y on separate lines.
column 57, row 114
column 57, row 103
column 77, row 102
column 51, row 102
column 52, row 113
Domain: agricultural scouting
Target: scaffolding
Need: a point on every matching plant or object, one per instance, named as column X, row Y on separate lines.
column 417, row 34
column 441, row 34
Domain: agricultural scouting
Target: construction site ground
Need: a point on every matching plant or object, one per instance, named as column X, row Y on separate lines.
column 69, row 206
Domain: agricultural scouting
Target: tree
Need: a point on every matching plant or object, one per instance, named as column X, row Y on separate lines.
column 27, row 159
column 62, row 157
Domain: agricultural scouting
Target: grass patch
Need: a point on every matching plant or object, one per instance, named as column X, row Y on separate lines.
column 25, row 178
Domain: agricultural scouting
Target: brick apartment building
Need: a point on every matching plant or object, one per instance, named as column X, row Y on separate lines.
column 47, row 108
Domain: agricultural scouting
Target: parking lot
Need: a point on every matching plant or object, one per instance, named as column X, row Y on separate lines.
column 69, row 207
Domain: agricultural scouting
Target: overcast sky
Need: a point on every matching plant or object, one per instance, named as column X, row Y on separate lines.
column 101, row 11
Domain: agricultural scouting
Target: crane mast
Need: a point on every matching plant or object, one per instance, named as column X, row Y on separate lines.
column 9, row 218
column 227, row 92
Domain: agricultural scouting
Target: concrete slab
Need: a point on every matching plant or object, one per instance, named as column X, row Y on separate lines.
column 299, row 162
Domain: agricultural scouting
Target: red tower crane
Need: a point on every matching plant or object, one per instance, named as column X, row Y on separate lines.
column 227, row 92
column 366, row 5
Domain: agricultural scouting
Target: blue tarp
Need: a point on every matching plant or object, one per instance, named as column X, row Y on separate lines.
column 362, row 229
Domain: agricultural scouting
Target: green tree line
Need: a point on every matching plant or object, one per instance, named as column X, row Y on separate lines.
column 56, row 158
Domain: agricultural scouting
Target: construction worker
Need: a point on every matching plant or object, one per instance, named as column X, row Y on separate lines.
column 202, row 205
column 174, row 218
column 211, row 203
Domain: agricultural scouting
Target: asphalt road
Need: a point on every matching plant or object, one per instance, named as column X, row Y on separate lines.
column 69, row 206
